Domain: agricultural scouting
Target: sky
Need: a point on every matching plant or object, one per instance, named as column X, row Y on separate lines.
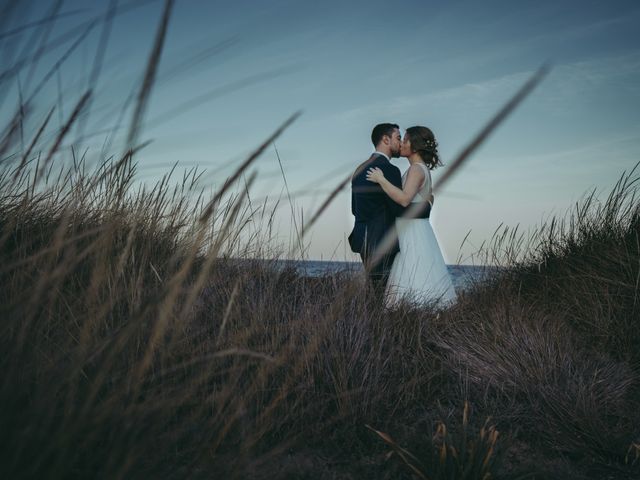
column 232, row 72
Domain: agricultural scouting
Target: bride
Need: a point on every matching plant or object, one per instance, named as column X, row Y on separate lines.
column 418, row 274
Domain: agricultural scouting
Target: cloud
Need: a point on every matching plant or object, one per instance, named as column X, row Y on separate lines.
column 625, row 144
column 619, row 73
column 476, row 94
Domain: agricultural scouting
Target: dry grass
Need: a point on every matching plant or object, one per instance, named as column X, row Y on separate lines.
column 133, row 347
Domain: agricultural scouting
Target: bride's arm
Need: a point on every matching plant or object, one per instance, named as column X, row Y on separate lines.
column 402, row 196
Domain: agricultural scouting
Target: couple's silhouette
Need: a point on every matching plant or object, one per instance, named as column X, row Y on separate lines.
column 392, row 232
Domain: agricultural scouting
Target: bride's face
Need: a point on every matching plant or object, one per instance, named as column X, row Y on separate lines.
column 405, row 146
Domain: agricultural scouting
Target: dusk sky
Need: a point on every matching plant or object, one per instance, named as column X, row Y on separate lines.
column 232, row 72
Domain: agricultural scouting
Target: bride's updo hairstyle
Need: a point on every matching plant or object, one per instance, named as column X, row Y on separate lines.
column 424, row 143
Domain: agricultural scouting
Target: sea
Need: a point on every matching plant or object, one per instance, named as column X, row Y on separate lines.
column 462, row 276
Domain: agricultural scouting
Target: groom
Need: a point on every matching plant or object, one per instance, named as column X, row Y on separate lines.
column 375, row 212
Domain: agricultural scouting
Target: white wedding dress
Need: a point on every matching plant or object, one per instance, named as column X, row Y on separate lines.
column 419, row 274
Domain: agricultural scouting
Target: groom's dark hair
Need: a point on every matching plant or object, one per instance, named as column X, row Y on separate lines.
column 381, row 130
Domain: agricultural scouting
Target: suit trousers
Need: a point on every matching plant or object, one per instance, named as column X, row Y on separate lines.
column 378, row 274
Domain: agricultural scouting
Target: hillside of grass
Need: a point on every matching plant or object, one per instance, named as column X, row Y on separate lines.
column 132, row 349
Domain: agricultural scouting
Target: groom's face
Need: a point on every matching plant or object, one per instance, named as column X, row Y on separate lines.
column 395, row 144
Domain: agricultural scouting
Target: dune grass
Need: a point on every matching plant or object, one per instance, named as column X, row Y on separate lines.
column 134, row 344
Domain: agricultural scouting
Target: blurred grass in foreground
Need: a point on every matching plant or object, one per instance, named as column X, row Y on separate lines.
column 132, row 348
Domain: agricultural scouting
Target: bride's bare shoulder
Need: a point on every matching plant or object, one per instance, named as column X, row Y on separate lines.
column 416, row 171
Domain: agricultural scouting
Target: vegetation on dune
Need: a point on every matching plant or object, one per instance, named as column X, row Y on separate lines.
column 132, row 347
column 134, row 344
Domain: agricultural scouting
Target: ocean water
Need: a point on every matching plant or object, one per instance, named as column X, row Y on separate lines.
column 462, row 276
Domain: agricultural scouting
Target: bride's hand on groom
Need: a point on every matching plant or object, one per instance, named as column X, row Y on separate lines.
column 375, row 175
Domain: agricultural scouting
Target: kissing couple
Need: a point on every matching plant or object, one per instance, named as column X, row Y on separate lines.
column 392, row 232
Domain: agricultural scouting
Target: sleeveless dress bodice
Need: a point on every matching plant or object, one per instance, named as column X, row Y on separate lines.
column 424, row 193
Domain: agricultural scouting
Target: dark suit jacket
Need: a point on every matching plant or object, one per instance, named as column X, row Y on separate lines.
column 374, row 210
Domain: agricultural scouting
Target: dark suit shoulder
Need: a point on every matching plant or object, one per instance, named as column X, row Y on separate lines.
column 376, row 160
column 360, row 169
column 388, row 167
